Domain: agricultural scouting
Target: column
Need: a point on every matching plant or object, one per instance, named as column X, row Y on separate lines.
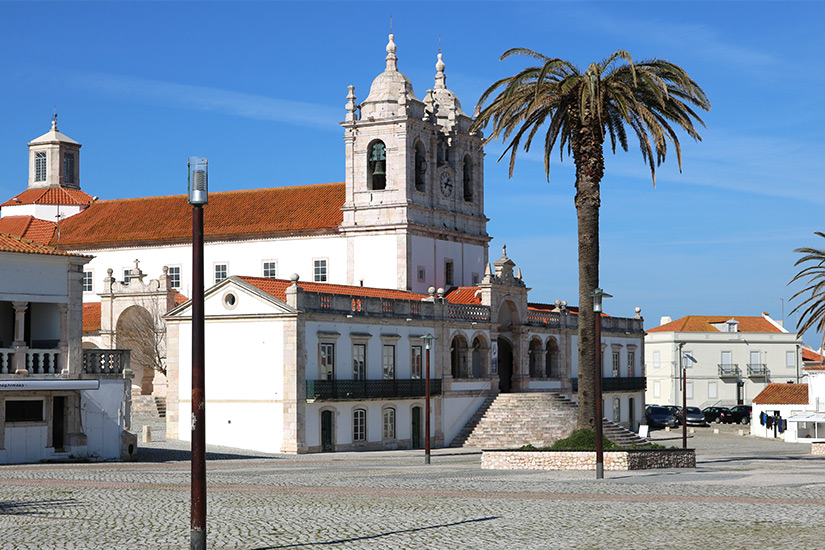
column 19, row 343
column 63, row 345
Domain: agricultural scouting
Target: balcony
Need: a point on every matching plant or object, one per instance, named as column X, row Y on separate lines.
column 758, row 370
column 729, row 371
column 105, row 361
column 623, row 384
column 37, row 361
column 343, row 390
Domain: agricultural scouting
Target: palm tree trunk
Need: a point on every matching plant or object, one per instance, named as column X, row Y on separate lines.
column 588, row 155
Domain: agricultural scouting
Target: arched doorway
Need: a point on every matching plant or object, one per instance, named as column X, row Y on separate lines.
column 136, row 332
column 505, row 366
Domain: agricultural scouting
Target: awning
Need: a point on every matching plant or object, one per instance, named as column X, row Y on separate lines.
column 807, row 417
column 50, row 384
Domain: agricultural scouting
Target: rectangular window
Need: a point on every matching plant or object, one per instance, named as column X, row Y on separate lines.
column 40, row 166
column 29, row 410
column 616, row 364
column 359, row 425
column 220, row 272
column 422, row 273
column 790, row 359
column 388, row 361
column 656, row 359
column 687, row 359
column 319, row 271
column 327, row 361
column 126, row 271
column 359, row 362
column 68, row 167
column 174, row 276
column 754, row 358
column 415, row 363
column 389, row 423
column 713, row 392
column 448, row 273
column 475, row 279
column 631, row 363
column 270, row 270
column 657, row 389
column 689, row 390
column 88, row 281
column 727, row 358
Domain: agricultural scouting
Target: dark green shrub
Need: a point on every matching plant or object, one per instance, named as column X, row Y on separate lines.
column 581, row 440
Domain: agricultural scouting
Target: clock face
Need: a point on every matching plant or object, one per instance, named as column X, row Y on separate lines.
column 446, row 184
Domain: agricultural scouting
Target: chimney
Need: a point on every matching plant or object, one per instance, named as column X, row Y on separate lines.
column 664, row 320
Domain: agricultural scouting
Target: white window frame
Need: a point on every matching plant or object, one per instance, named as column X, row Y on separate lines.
column 126, row 277
column 326, row 364
column 320, row 270
column 40, row 165
column 215, row 267
column 631, row 363
column 269, row 269
column 689, row 389
column 416, row 362
column 657, row 389
column 359, row 425
column 359, row 372
column 388, row 363
column 617, row 363
column 389, row 419
column 174, row 273
column 657, row 359
column 713, row 390
column 790, row 359
column 88, row 280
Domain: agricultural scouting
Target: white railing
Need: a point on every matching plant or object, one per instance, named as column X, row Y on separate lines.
column 6, row 360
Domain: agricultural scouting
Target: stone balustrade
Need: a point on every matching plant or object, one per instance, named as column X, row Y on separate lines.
column 586, row 460
column 36, row 361
column 468, row 312
column 6, row 360
column 105, row 361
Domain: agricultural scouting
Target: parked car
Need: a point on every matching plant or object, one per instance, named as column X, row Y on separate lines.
column 717, row 415
column 660, row 417
column 741, row 414
column 675, row 411
column 694, row 416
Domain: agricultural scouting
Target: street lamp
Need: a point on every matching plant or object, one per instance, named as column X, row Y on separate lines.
column 198, row 183
column 428, row 338
column 598, row 295
column 685, row 357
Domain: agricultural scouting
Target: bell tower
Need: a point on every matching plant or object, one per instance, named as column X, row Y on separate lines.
column 54, row 160
column 414, row 177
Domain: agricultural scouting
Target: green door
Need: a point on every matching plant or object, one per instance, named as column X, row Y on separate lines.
column 326, row 432
column 416, row 427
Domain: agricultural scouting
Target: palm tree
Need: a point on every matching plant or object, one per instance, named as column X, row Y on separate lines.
column 580, row 109
column 811, row 309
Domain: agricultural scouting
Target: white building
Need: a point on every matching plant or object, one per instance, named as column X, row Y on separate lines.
column 56, row 402
column 794, row 412
column 728, row 360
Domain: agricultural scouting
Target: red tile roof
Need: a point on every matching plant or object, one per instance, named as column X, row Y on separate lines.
column 810, row 356
column 814, row 367
column 464, row 295
column 51, row 195
column 10, row 243
column 180, row 298
column 277, row 288
column 28, row 227
column 702, row 323
column 91, row 317
column 302, row 209
column 783, row 394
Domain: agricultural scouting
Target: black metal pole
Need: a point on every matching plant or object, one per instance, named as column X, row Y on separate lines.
column 427, row 410
column 198, row 510
column 684, row 405
column 599, row 411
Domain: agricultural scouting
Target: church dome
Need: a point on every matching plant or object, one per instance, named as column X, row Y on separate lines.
column 391, row 84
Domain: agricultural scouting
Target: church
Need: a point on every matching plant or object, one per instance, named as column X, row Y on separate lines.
column 318, row 296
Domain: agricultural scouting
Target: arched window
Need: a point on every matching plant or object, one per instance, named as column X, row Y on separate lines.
column 535, row 359
column 468, row 179
column 377, row 157
column 389, row 423
column 477, row 367
column 420, row 167
column 359, row 425
column 551, row 359
column 458, row 356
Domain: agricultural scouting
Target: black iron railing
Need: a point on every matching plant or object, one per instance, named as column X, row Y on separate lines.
column 368, row 389
column 637, row 383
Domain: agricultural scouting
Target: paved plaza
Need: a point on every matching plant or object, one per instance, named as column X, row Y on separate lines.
column 745, row 493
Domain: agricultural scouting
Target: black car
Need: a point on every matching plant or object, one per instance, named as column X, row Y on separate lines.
column 694, row 416
column 717, row 414
column 660, row 417
column 741, row 414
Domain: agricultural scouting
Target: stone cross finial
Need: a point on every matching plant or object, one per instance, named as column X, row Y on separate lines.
column 440, row 77
column 504, row 250
column 392, row 60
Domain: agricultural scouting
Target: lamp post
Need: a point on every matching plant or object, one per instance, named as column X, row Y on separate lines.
column 428, row 338
column 684, row 358
column 598, row 294
column 198, row 198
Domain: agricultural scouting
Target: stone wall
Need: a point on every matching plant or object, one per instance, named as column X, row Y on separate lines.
column 818, row 448
column 586, row 460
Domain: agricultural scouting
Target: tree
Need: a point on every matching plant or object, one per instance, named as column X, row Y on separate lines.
column 652, row 98
column 811, row 309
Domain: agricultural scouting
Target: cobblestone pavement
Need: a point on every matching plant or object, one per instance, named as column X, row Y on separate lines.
column 745, row 493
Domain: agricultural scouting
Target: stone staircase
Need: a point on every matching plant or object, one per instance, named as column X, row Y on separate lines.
column 510, row 420
column 516, row 419
column 149, row 410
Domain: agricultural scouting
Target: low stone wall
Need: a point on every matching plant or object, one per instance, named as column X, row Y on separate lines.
column 586, row 460
column 818, row 448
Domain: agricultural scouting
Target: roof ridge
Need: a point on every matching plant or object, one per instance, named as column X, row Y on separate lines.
column 256, row 190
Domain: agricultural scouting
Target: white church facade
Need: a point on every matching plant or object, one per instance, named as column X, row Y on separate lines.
column 333, row 286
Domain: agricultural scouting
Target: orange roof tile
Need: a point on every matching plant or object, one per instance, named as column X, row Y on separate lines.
column 464, row 295
column 277, row 288
column 91, row 317
column 783, row 394
column 809, row 355
column 814, row 367
column 256, row 212
column 28, row 227
column 51, row 195
column 180, row 298
column 702, row 323
column 10, row 243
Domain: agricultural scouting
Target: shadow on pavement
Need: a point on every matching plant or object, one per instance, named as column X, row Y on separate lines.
column 379, row 535
column 13, row 508
column 175, row 455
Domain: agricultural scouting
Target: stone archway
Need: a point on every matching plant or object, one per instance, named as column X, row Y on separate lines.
column 505, row 365
column 136, row 332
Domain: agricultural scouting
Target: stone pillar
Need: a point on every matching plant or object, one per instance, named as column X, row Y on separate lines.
column 19, row 344
column 63, row 344
column 521, row 360
column 294, row 387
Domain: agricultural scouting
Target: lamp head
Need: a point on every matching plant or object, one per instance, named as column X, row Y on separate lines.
column 198, row 181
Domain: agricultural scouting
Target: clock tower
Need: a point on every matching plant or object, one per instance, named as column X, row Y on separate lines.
column 414, row 205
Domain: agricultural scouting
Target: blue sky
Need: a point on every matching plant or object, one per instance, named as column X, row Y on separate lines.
column 259, row 89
